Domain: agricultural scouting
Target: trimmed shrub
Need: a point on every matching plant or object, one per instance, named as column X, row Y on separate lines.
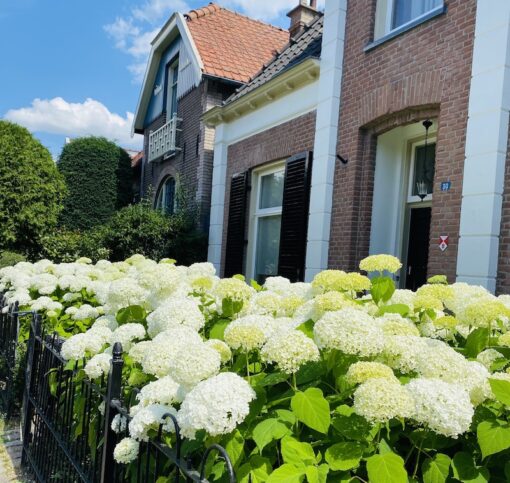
column 32, row 189
column 98, row 175
column 8, row 259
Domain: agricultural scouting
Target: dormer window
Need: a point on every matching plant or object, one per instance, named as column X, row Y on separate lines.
column 172, row 77
column 396, row 15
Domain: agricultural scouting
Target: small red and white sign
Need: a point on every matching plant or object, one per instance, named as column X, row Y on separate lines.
column 443, row 242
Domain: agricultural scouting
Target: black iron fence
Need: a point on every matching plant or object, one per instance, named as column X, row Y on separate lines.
column 67, row 423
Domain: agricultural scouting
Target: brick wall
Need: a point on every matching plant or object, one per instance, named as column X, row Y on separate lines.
column 503, row 280
column 277, row 143
column 193, row 163
column 423, row 72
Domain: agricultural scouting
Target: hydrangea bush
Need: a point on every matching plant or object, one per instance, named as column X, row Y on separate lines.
column 341, row 379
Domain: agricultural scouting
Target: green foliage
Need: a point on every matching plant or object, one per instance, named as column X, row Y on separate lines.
column 99, row 178
column 8, row 258
column 32, row 189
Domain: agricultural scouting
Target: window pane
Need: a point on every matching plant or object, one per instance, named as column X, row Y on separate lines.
column 424, row 167
column 268, row 247
column 271, row 190
column 169, row 196
column 407, row 10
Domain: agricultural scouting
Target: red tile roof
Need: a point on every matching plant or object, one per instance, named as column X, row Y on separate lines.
column 231, row 45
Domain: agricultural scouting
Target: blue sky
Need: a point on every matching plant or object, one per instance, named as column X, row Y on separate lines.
column 74, row 67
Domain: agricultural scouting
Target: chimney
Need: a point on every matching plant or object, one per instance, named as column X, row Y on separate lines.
column 302, row 16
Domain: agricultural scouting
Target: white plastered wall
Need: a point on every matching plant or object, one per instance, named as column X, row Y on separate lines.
column 486, row 145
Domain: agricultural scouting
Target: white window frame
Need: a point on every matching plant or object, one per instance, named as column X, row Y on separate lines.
column 390, row 10
column 257, row 213
column 412, row 168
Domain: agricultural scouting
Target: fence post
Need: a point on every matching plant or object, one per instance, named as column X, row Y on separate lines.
column 35, row 331
column 113, row 394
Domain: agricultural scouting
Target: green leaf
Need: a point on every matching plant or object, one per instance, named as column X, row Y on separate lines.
column 344, row 456
column 312, row 409
column 133, row 313
column 382, row 289
column 287, row 474
column 401, row 309
column 286, row 416
column 267, row 431
column 255, row 285
column 493, row 437
column 501, row 390
column 256, row 470
column 296, row 453
column 386, row 468
column 465, row 470
column 235, row 448
column 137, row 377
column 317, row 474
column 349, row 424
column 436, row 469
column 307, row 328
column 477, row 341
column 218, row 329
column 231, row 307
column 273, row 379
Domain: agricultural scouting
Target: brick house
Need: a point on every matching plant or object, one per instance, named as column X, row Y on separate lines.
column 401, row 128
column 197, row 60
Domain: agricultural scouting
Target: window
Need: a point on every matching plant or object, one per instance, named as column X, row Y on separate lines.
column 172, row 76
column 392, row 15
column 166, row 196
column 266, row 222
column 422, row 170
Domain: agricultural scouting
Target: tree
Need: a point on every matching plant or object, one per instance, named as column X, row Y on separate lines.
column 99, row 178
column 32, row 189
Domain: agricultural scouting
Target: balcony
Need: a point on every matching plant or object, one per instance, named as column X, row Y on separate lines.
column 163, row 141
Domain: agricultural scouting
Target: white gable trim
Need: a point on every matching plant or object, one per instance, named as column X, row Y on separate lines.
column 193, row 64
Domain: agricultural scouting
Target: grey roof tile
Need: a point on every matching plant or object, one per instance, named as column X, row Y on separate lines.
column 308, row 44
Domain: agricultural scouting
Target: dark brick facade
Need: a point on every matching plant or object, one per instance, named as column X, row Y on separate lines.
column 277, row 143
column 192, row 164
column 422, row 73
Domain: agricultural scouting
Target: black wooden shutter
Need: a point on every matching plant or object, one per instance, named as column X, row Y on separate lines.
column 295, row 206
column 236, row 225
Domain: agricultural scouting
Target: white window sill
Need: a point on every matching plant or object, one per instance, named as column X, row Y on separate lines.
column 406, row 27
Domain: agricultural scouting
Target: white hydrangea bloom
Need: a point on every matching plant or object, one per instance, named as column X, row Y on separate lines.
column 402, row 296
column 98, row 365
column 350, row 331
column 362, row 371
column 194, row 363
column 123, row 293
column 163, row 391
column 108, row 321
column 46, row 303
column 395, row 324
column 488, row 357
column 175, row 311
column 290, row 350
column 71, row 297
column 44, row 283
column 139, row 350
column 86, row 311
column 401, row 352
column 126, row 451
column 381, row 399
column 279, row 285
column 217, row 405
column 119, row 423
column 221, row 348
column 127, row 333
column 79, row 345
column 249, row 332
column 441, row 406
column 147, row 418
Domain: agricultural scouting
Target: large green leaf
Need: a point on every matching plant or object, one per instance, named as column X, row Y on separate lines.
column 307, row 328
column 386, row 468
column 133, row 313
column 344, row 456
column 501, row 390
column 401, row 309
column 493, row 437
column 297, row 453
column 317, row 474
column 382, row 289
column 269, row 430
column 312, row 409
column 256, row 470
column 218, row 329
column 235, row 448
column 436, row 469
column 465, row 469
column 287, row 474
column 477, row 341
column 349, row 424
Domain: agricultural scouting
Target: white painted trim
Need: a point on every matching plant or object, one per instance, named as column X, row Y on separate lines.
column 326, row 137
column 486, row 144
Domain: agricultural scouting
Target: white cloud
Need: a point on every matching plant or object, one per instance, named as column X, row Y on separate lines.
column 91, row 117
column 265, row 9
column 153, row 11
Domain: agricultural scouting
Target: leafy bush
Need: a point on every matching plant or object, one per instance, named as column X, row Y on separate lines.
column 99, row 177
column 10, row 258
column 32, row 189
column 343, row 379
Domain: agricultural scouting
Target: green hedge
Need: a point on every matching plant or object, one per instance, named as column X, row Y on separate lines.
column 32, row 189
column 99, row 178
